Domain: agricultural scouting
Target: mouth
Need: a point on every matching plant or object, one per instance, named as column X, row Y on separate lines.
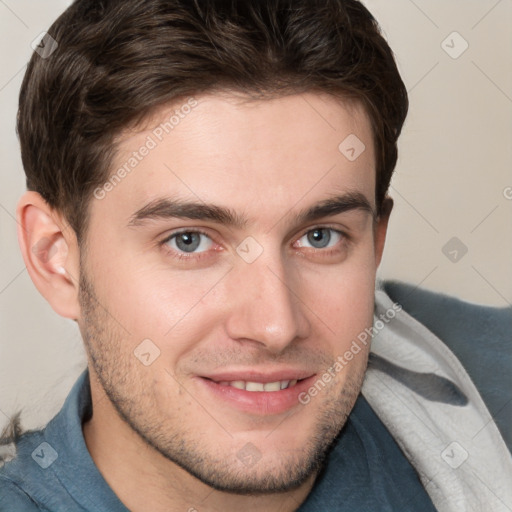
column 250, row 386
column 262, row 395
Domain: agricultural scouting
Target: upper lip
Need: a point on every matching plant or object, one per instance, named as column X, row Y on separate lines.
column 259, row 376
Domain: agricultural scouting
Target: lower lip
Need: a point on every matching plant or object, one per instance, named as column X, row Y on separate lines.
column 259, row 402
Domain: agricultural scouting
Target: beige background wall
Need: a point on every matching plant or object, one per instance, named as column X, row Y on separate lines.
column 453, row 179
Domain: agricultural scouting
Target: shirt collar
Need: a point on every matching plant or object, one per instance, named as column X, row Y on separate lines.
column 75, row 468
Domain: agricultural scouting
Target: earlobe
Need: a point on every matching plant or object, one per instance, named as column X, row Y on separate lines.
column 50, row 252
column 381, row 228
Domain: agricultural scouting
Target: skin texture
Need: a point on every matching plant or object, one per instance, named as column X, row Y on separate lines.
column 158, row 434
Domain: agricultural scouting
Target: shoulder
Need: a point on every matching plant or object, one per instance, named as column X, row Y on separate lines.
column 19, row 474
column 468, row 329
column 12, row 498
column 444, row 314
column 480, row 336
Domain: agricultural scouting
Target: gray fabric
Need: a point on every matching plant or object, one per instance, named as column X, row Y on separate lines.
column 452, row 441
column 480, row 337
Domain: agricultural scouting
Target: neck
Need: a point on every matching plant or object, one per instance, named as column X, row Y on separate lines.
column 142, row 478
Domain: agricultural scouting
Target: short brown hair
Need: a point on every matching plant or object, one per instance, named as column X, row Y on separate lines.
column 118, row 60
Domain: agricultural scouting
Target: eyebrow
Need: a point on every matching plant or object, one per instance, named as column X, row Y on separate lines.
column 166, row 208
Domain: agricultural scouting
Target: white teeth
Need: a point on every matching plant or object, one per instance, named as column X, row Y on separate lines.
column 272, row 386
column 259, row 386
column 254, row 386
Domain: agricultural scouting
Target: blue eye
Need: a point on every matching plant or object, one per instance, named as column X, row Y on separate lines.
column 320, row 238
column 189, row 242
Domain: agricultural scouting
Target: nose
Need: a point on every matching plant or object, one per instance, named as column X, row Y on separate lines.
column 266, row 306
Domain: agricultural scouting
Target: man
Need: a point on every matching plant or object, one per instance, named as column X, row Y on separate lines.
column 207, row 199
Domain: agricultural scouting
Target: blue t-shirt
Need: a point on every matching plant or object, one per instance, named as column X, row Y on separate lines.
column 53, row 471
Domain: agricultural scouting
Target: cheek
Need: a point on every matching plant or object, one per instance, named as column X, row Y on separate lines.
column 343, row 297
column 168, row 307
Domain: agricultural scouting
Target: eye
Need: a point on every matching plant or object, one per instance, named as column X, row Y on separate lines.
column 189, row 242
column 320, row 238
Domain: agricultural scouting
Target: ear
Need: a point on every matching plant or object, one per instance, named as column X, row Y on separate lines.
column 50, row 251
column 381, row 228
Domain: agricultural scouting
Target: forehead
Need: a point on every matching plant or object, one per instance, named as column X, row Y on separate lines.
column 264, row 155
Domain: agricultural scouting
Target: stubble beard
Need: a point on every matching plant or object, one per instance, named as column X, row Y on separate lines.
column 119, row 374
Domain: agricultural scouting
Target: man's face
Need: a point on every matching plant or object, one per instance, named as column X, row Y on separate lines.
column 240, row 294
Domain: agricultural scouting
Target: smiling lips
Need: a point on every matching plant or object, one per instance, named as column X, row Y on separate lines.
column 260, row 386
column 257, row 393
